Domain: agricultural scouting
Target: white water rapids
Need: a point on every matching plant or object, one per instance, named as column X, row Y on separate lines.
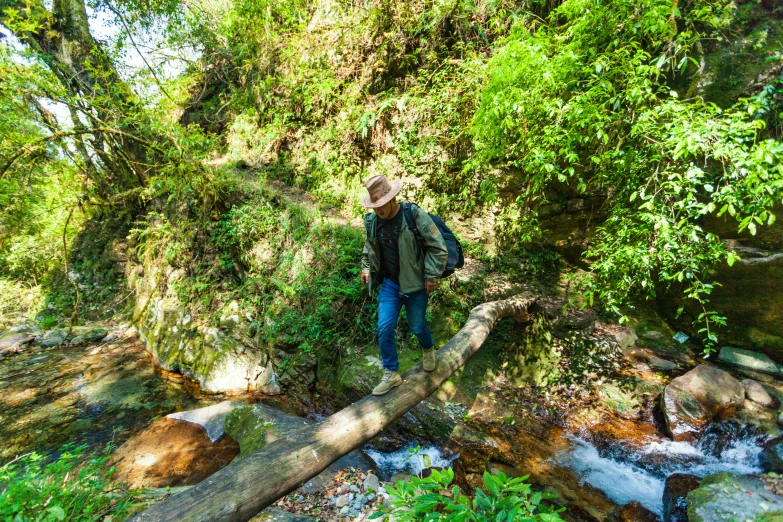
column 624, row 478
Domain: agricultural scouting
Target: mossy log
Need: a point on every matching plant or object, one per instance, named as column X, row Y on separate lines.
column 241, row 490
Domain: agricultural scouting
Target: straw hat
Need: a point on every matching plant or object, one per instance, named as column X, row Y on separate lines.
column 381, row 191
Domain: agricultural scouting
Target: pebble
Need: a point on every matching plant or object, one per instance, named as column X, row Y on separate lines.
column 354, row 488
column 372, row 483
column 300, row 499
column 345, row 510
column 342, row 501
column 371, row 497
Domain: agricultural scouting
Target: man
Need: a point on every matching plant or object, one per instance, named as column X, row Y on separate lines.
column 406, row 271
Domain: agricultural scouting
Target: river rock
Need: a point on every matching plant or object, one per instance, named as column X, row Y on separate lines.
column 54, row 337
column 256, row 425
column 675, row 492
column 635, row 512
column 755, row 392
column 722, row 497
column 12, row 342
column 716, row 390
column 342, row 501
column 747, row 359
column 211, row 418
column 771, row 457
column 656, row 363
column 171, row 453
column 685, row 417
column 371, row 482
column 95, row 334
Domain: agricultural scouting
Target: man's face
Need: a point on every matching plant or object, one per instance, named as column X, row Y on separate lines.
column 385, row 211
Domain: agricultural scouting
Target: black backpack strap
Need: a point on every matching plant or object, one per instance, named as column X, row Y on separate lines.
column 408, row 214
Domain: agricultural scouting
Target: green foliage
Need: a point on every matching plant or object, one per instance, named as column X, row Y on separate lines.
column 571, row 103
column 73, row 487
column 506, row 499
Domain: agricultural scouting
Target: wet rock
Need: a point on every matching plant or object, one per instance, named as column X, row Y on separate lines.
column 747, row 359
column 755, row 392
column 675, row 493
column 211, row 418
column 685, row 418
column 171, row 453
column 371, row 482
column 95, row 334
column 656, row 363
column 635, row 512
column 723, row 496
column 716, row 390
column 757, row 416
column 12, row 342
column 53, row 338
column 771, row 457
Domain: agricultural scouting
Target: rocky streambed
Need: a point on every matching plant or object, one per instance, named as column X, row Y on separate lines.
column 621, row 424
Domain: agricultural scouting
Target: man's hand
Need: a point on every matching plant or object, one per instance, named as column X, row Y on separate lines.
column 430, row 286
column 365, row 278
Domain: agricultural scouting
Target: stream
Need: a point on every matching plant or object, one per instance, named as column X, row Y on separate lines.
column 104, row 393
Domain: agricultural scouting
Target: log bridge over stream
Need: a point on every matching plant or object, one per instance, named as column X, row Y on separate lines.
column 242, row 490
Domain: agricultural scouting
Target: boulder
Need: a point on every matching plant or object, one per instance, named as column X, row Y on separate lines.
column 171, row 453
column 692, row 400
column 771, row 457
column 95, row 334
column 747, row 359
column 254, row 426
column 12, row 342
column 675, row 493
column 54, row 337
column 684, row 415
column 211, row 418
column 755, row 392
column 716, row 390
column 722, row 496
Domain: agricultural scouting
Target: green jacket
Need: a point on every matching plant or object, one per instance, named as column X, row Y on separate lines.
column 413, row 271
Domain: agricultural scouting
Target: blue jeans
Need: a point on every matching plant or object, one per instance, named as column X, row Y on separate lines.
column 390, row 302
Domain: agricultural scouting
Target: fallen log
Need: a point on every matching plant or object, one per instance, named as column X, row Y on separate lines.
column 240, row 491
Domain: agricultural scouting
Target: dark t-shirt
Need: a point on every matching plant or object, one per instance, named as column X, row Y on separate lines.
column 388, row 234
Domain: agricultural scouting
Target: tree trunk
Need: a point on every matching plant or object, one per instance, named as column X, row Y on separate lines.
column 62, row 39
column 241, row 490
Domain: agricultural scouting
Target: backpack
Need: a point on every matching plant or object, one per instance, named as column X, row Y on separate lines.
column 456, row 259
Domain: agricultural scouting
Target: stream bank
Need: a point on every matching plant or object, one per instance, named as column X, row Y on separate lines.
column 570, row 400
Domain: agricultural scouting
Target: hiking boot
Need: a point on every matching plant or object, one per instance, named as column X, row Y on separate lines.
column 389, row 381
column 428, row 361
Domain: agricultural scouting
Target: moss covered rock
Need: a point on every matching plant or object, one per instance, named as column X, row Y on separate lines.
column 723, row 496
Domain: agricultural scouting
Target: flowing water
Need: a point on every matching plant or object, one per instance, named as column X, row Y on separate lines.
column 90, row 394
column 408, row 460
column 626, row 475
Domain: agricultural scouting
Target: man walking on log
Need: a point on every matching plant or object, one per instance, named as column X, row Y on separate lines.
column 406, row 269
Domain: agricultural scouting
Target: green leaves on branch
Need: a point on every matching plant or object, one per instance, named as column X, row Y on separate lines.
column 587, row 103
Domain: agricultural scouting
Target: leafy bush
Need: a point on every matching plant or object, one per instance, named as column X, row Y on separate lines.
column 507, row 499
column 68, row 488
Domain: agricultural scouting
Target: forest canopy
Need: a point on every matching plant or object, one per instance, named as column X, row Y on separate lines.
column 490, row 106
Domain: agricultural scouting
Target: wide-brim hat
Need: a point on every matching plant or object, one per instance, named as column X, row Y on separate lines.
column 381, row 191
